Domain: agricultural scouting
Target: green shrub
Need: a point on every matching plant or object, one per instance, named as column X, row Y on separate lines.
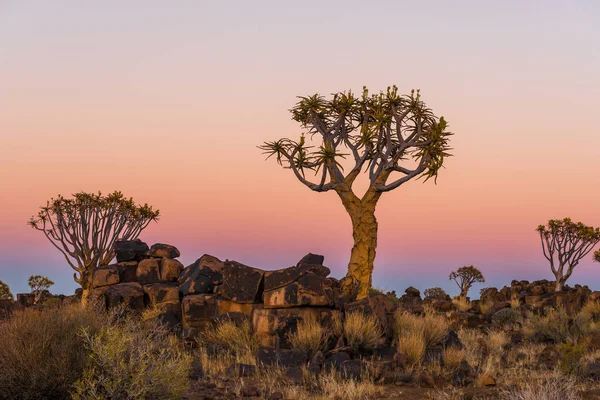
column 435, row 293
column 5, row 293
column 42, row 353
column 133, row 359
column 571, row 356
column 558, row 326
column 506, row 316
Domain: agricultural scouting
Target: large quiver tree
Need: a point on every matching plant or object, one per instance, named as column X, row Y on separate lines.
column 85, row 228
column 564, row 244
column 393, row 137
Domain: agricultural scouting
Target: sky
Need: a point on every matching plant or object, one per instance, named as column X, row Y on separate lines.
column 167, row 101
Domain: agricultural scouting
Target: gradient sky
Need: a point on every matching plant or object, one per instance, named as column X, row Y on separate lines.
column 166, row 101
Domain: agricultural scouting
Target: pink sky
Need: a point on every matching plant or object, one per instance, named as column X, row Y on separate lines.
column 169, row 104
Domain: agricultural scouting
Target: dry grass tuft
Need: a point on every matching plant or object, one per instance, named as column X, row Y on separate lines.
column 310, row 336
column 432, row 327
column 496, row 340
column 362, row 331
column 591, row 310
column 227, row 336
column 453, row 357
column 461, row 304
column 334, row 387
column 42, row 352
column 412, row 344
column 546, row 388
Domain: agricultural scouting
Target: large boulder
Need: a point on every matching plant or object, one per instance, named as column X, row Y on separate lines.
column 312, row 259
column 241, row 283
column 148, row 271
column 105, row 276
column 170, row 269
column 130, row 250
column 202, row 276
column 160, row 250
column 308, row 290
column 127, row 271
column 283, row 277
column 164, row 297
column 130, row 293
column 200, row 310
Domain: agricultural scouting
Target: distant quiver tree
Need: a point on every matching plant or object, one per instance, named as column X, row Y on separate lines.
column 564, row 244
column 465, row 277
column 39, row 284
column 85, row 228
column 5, row 293
column 392, row 137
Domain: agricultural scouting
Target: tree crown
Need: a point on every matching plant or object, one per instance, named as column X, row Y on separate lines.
column 565, row 230
column 39, row 283
column 435, row 293
column 597, row 256
column 5, row 293
column 466, row 275
column 570, row 241
column 380, row 132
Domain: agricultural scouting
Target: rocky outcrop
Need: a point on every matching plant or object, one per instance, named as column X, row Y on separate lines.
column 241, row 283
column 202, row 276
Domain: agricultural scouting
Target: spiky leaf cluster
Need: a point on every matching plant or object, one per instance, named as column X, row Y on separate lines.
column 383, row 133
column 5, row 293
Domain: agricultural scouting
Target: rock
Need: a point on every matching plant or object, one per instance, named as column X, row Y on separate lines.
column 127, row 271
column 105, row 276
column 593, row 370
column 160, row 250
column 250, row 391
column 237, row 318
column 129, row 293
column 284, row 358
column 148, row 271
column 312, row 259
column 241, row 283
column 464, row 375
column 283, row 277
column 294, row 375
column 486, row 380
column 386, row 353
column 352, row 369
column 170, row 320
column 170, row 269
column 200, row 310
column 202, row 276
column 276, row 396
column 164, row 296
column 336, row 360
column 411, row 291
column 240, row 370
column 308, row 290
column 317, row 359
column 130, row 250
column 452, row 340
column 425, row 379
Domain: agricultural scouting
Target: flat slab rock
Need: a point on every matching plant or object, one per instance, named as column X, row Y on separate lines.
column 241, row 283
column 130, row 250
column 160, row 250
column 308, row 290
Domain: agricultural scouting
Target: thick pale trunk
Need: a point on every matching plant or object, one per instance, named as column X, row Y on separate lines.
column 559, row 284
column 364, row 232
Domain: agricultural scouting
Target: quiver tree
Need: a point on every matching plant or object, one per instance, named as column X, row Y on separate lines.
column 392, row 137
column 39, row 284
column 85, row 228
column 5, row 293
column 597, row 256
column 465, row 277
column 564, row 244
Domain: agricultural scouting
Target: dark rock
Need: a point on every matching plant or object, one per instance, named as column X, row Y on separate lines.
column 352, row 369
column 105, row 276
column 160, row 250
column 308, row 290
column 276, row 396
column 548, row 358
column 272, row 326
column 452, row 340
column 238, row 318
column 386, row 353
column 380, row 306
column 411, row 291
column 130, row 250
column 336, row 360
column 197, row 371
column 283, row 358
column 593, row 370
column 283, row 277
column 202, row 276
column 312, row 259
column 130, row 293
column 148, row 271
column 241, row 283
column 170, row 269
column 240, row 370
column 425, row 379
column 127, row 271
column 317, row 359
column 250, row 391
column 294, row 375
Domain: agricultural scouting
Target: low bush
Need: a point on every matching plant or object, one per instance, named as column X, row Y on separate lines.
column 133, row 359
column 558, row 326
column 231, row 337
column 435, row 293
column 548, row 388
column 43, row 353
column 506, row 317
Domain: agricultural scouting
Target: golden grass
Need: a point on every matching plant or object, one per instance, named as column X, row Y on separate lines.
column 432, row 327
column 453, row 357
column 496, row 340
column 461, row 304
column 515, row 303
column 42, row 352
column 412, row 344
column 310, row 336
column 362, row 331
column 231, row 337
column 591, row 310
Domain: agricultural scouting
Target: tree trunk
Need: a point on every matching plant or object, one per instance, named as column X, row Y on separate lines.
column 559, row 284
column 364, row 231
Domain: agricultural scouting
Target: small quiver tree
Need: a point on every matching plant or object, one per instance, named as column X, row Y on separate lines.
column 5, row 293
column 564, row 244
column 39, row 285
column 465, row 277
column 85, row 228
column 394, row 138
column 435, row 293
